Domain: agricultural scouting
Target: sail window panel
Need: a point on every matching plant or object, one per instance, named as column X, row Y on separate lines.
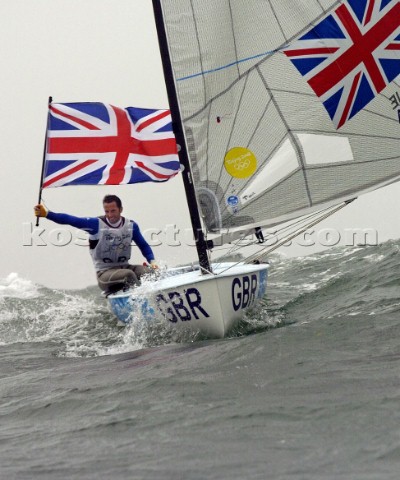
column 280, row 166
column 344, row 181
column 324, row 149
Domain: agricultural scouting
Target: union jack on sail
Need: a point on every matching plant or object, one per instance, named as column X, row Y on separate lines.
column 351, row 55
column 96, row 143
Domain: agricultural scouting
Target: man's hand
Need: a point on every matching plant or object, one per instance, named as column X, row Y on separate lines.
column 153, row 264
column 40, row 210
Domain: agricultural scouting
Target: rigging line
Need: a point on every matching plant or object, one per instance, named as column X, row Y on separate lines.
column 305, row 219
column 234, row 247
column 302, row 220
column 303, row 229
column 276, row 233
column 237, row 246
column 231, row 250
column 294, row 235
column 245, row 260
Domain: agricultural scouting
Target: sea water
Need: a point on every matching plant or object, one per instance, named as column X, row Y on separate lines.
column 307, row 387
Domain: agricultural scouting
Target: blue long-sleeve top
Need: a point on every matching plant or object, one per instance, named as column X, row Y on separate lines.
column 92, row 226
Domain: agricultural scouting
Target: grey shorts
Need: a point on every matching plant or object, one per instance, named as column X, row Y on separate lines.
column 120, row 277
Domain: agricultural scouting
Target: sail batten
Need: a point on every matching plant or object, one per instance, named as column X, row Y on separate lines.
column 264, row 143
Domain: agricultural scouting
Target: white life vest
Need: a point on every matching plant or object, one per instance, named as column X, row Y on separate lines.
column 111, row 246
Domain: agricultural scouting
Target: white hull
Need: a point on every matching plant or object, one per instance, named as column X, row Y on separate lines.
column 211, row 304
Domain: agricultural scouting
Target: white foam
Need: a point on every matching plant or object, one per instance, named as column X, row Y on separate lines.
column 15, row 287
column 374, row 258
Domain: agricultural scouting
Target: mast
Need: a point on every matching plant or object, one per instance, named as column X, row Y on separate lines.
column 201, row 243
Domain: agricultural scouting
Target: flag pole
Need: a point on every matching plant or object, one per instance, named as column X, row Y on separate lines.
column 44, row 159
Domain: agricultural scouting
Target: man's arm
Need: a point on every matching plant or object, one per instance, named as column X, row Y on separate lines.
column 144, row 247
column 89, row 224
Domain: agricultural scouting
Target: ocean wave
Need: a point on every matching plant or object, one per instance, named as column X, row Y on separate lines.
column 78, row 323
column 14, row 286
column 341, row 282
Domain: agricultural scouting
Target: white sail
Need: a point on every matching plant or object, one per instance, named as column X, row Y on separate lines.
column 264, row 144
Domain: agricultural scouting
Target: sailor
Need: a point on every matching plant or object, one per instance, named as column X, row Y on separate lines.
column 110, row 238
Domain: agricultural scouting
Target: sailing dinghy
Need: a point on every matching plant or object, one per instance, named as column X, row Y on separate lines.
column 283, row 109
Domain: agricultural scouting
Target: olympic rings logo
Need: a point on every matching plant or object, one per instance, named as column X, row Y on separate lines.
column 241, row 164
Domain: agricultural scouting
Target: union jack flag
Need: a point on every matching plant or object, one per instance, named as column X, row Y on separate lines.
column 351, row 55
column 97, row 143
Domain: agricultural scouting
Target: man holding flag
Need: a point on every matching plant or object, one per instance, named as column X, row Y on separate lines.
column 94, row 143
column 110, row 238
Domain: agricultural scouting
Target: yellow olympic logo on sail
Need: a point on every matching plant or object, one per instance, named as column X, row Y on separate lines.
column 240, row 162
